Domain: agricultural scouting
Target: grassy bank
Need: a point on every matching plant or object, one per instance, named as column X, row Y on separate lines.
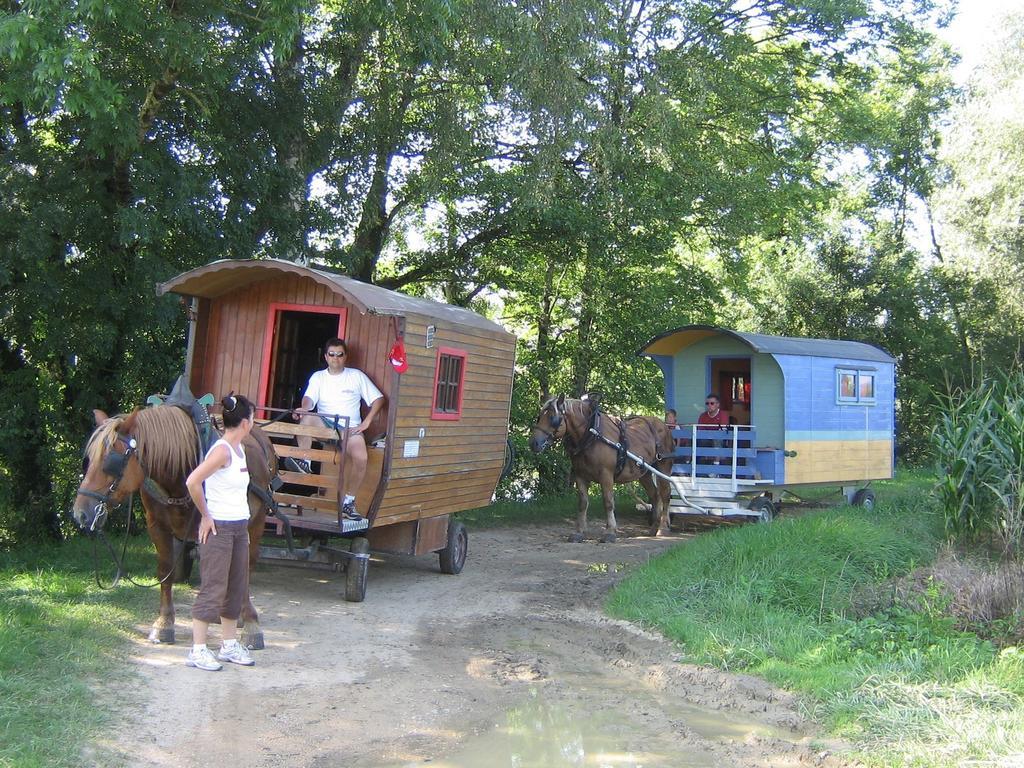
column 60, row 633
column 811, row 603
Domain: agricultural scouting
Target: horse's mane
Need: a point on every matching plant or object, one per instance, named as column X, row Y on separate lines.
column 166, row 440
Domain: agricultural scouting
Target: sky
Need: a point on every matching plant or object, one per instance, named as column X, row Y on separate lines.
column 973, row 29
column 970, row 33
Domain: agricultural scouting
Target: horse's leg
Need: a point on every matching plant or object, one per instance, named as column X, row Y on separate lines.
column 163, row 628
column 665, row 498
column 582, row 487
column 653, row 488
column 252, row 634
column 608, row 493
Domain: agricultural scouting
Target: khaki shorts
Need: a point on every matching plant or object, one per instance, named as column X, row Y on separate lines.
column 224, row 571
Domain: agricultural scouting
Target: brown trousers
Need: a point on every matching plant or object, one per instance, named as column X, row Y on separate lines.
column 224, row 573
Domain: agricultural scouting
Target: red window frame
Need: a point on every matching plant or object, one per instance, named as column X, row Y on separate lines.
column 435, row 411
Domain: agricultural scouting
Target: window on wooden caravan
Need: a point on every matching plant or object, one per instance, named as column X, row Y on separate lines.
column 855, row 386
column 448, row 380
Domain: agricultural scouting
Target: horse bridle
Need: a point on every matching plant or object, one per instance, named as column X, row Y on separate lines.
column 555, row 421
column 114, row 464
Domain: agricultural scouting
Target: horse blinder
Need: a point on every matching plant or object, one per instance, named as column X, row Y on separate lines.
column 113, row 466
column 549, row 433
column 114, row 462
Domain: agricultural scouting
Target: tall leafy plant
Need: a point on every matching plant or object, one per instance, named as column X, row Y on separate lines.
column 979, row 444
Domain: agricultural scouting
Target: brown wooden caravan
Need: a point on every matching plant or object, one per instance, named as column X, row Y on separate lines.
column 437, row 447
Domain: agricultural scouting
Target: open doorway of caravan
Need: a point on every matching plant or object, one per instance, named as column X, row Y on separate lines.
column 293, row 349
column 730, row 378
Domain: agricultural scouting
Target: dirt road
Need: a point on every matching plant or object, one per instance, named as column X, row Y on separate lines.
column 509, row 663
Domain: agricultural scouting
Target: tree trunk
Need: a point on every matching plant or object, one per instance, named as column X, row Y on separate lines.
column 544, row 322
column 291, row 149
column 583, row 361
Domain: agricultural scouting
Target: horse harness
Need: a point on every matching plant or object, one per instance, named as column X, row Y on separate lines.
column 595, row 433
column 113, row 466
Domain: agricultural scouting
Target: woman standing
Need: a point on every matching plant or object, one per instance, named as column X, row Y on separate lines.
column 219, row 488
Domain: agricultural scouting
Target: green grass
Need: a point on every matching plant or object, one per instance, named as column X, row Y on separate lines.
column 776, row 601
column 62, row 639
column 507, row 514
column 556, row 510
column 779, row 601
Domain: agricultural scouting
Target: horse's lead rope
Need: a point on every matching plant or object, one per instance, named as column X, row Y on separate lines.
column 119, row 561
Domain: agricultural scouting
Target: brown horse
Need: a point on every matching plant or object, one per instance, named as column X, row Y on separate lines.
column 595, row 459
column 154, row 450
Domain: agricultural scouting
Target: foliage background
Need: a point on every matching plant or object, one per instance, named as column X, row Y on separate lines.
column 589, row 172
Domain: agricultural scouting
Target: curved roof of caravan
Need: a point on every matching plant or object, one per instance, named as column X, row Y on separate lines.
column 670, row 342
column 221, row 277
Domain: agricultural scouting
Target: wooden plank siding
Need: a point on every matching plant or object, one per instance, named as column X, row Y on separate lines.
column 233, row 357
column 458, row 461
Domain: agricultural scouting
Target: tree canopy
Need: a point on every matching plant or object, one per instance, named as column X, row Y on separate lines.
column 591, row 171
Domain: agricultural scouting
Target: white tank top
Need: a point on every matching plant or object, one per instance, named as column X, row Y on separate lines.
column 227, row 489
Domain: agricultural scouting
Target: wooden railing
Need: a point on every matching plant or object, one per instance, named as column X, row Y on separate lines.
column 715, row 452
column 322, row 488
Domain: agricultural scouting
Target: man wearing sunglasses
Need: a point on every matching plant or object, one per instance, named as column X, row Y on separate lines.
column 338, row 390
column 713, row 413
column 714, row 417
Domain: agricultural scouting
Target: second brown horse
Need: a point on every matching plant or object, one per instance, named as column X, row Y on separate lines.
column 597, row 460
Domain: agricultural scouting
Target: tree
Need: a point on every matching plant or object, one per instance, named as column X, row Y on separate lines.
column 978, row 234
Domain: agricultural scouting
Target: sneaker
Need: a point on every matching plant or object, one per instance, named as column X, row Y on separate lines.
column 236, row 654
column 348, row 511
column 202, row 659
column 297, row 465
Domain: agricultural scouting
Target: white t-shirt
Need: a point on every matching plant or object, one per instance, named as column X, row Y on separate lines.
column 342, row 393
column 227, row 489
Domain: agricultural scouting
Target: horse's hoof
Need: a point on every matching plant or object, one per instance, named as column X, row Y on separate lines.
column 158, row 635
column 253, row 640
column 576, row 538
column 659, row 531
column 608, row 538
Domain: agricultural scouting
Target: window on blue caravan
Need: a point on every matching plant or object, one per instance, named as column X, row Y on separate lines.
column 448, row 380
column 847, row 386
column 855, row 386
column 866, row 390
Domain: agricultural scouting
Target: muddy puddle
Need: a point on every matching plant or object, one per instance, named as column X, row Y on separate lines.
column 659, row 733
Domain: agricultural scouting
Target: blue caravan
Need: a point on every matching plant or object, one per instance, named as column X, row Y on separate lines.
column 803, row 412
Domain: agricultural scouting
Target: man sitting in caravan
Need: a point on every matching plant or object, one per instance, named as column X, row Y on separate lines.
column 338, row 391
column 715, row 418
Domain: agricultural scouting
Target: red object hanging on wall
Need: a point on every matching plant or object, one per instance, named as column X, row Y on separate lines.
column 397, row 356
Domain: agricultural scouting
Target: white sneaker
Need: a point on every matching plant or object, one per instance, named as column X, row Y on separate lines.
column 202, row 659
column 298, row 465
column 236, row 654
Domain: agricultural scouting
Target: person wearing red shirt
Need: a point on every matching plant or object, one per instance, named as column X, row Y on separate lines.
column 713, row 413
column 712, row 416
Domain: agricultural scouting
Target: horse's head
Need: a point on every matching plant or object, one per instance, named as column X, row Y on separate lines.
column 111, row 471
column 550, row 424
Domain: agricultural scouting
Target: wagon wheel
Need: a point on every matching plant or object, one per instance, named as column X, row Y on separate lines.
column 453, row 556
column 865, row 497
column 764, row 508
column 183, row 553
column 510, row 459
column 355, row 571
